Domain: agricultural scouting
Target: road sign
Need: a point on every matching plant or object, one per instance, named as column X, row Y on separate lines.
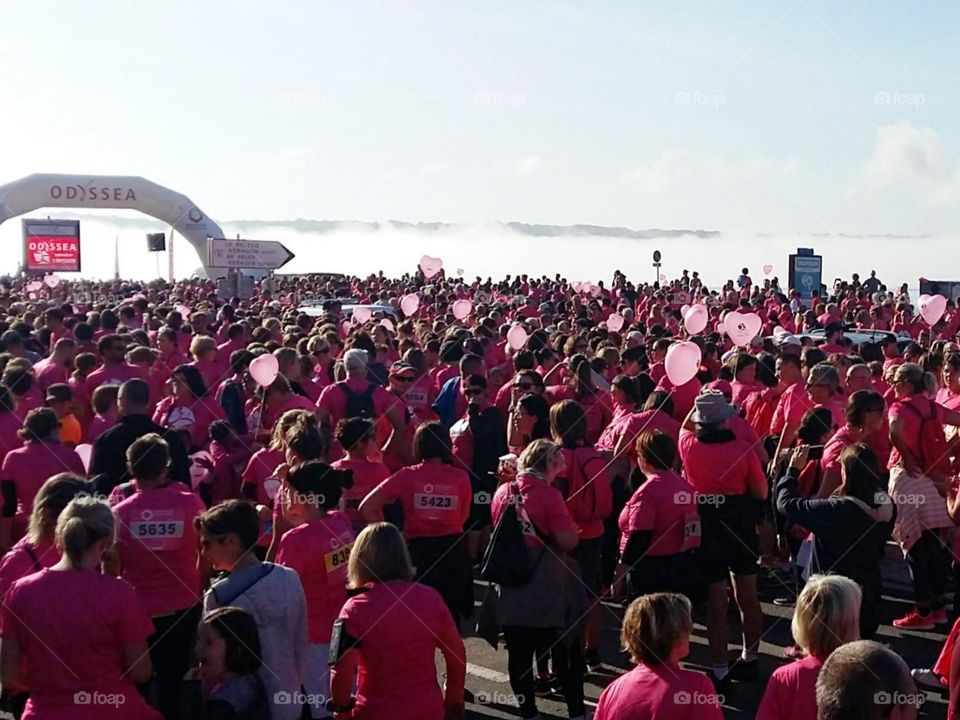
column 249, row 254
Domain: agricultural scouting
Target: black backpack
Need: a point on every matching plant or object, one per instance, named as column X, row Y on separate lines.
column 507, row 558
column 359, row 404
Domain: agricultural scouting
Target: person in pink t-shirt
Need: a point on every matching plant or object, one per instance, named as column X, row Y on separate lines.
column 827, row 615
column 436, row 498
column 317, row 547
column 656, row 632
column 55, row 368
column 37, row 549
column 26, row 469
column 158, row 552
column 191, row 407
column 10, row 422
column 386, row 649
column 358, row 439
column 659, row 526
column 115, row 369
column 74, row 638
column 106, row 411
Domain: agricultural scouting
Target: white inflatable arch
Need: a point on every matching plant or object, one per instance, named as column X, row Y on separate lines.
column 114, row 192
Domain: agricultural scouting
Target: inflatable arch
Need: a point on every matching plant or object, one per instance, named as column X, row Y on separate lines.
column 115, row 192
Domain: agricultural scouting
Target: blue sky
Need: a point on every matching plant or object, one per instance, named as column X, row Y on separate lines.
column 753, row 116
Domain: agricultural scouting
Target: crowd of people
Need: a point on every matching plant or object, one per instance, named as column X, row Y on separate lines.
column 285, row 506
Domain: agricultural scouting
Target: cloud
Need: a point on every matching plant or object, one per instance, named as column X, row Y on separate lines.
column 677, row 168
column 526, row 165
column 904, row 152
column 435, row 167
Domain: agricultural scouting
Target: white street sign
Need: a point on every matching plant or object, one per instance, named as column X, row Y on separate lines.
column 250, row 254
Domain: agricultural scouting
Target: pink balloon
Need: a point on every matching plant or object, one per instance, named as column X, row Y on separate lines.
column 663, row 277
column 577, row 286
column 361, row 315
column 460, row 272
column 932, row 308
column 682, row 362
column 742, row 327
column 410, row 304
column 517, row 337
column 35, row 285
column 264, row 369
column 596, row 290
column 683, row 310
column 767, row 269
column 695, row 319
column 430, row 266
column 51, row 281
column 85, row 451
column 461, row 309
column 615, row 322
column 387, row 324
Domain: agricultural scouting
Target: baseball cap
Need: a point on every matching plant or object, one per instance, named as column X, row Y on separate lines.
column 59, row 392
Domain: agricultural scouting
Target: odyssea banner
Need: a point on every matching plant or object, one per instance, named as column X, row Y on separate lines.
column 51, row 245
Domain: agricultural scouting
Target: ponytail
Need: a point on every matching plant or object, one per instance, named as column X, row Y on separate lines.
column 84, row 522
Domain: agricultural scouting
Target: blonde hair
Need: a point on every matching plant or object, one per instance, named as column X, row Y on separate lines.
column 379, row 554
column 52, row 497
column 286, row 422
column 537, row 455
column 82, row 523
column 201, row 344
column 827, row 614
column 654, row 625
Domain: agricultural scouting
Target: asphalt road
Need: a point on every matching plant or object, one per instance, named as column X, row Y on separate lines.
column 489, row 694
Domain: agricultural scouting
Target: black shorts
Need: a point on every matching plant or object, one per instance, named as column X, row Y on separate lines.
column 679, row 573
column 483, row 490
column 588, row 554
column 728, row 542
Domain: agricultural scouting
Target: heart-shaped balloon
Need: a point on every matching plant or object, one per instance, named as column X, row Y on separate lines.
column 460, row 272
column 577, row 286
column 410, row 304
column 767, row 269
column 683, row 310
column 682, row 362
column 387, row 323
column 51, row 281
column 695, row 319
column 742, row 327
column 34, row 285
column 663, row 277
column 361, row 315
column 596, row 290
column 932, row 308
column 615, row 322
column 516, row 337
column 430, row 266
column 461, row 309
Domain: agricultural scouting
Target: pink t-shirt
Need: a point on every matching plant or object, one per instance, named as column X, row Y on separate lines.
column 841, row 439
column 32, row 465
column 48, row 373
column 98, row 426
column 791, row 692
column 666, row 506
column 260, row 474
column 318, row 550
column 19, row 562
column 71, row 626
column 333, row 399
column 397, row 676
column 702, row 463
column 113, row 375
column 542, row 507
column 435, row 497
column 683, row 396
column 659, row 692
column 779, row 421
column 366, row 476
column 10, row 423
column 158, row 546
column 647, row 420
column 611, row 433
column 912, row 419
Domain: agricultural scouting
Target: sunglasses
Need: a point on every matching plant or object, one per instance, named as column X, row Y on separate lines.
column 404, row 379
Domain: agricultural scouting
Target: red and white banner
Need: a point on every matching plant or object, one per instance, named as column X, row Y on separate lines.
column 51, row 245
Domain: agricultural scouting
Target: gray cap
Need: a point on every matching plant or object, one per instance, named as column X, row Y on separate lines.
column 712, row 408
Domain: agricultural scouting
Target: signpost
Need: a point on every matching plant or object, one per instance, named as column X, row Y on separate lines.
column 656, row 266
column 806, row 271
column 247, row 254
